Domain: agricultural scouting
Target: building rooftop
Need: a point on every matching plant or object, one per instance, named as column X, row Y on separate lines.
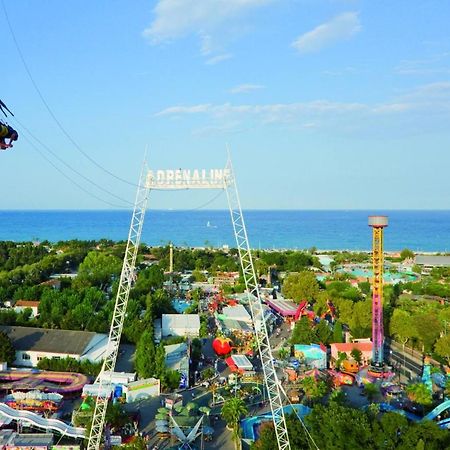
column 349, row 346
column 180, row 321
column 433, row 260
column 43, row 340
column 27, row 303
column 237, row 312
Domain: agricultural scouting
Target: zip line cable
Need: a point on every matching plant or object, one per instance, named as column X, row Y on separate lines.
column 305, row 429
column 55, row 155
column 69, row 178
column 58, row 123
column 203, row 205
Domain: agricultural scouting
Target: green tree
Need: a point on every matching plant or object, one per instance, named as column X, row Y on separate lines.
column 301, row 286
column 402, row 326
column 146, row 355
column 314, row 389
column 298, row 261
column 356, row 354
column 419, row 394
column 428, row 329
column 267, row 438
column 97, row 269
column 338, row 427
column 323, row 332
column 361, row 320
column 7, row 351
column 338, row 334
column 232, row 412
column 406, row 253
column 371, row 390
column 303, row 332
column 284, row 353
column 442, row 347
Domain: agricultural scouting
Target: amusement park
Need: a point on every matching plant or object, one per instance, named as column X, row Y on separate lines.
column 249, row 356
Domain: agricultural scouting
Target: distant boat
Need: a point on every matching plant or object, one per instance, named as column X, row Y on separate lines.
column 208, row 225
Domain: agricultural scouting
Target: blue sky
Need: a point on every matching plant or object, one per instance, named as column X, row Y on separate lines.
column 325, row 104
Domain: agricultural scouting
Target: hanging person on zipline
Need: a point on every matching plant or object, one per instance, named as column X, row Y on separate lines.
column 6, row 131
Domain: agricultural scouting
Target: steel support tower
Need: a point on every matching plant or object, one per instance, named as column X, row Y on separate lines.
column 271, row 381
column 127, row 277
column 378, row 223
column 176, row 180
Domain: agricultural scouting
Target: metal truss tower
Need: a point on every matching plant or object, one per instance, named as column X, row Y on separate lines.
column 378, row 223
column 127, row 277
column 272, row 383
column 176, row 180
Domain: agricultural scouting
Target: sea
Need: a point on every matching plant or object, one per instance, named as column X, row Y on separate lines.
column 420, row 231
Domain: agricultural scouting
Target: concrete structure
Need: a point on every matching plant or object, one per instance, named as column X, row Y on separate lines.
column 141, row 389
column 10, row 440
column 177, row 358
column 428, row 262
column 186, row 325
column 33, row 344
column 22, row 305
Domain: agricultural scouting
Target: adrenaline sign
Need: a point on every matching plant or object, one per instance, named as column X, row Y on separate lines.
column 188, row 179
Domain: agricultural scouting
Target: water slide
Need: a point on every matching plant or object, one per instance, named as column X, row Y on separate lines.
column 445, row 423
column 438, row 410
column 41, row 422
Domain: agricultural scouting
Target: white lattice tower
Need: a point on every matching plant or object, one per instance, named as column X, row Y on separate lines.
column 262, row 337
column 127, row 277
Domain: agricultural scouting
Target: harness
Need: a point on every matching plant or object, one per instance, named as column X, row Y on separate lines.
column 4, row 130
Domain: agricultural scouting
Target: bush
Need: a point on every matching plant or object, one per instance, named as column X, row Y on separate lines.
column 69, row 364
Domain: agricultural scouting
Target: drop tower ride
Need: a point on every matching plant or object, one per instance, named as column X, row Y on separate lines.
column 378, row 223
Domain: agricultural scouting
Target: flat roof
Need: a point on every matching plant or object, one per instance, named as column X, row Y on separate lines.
column 46, row 340
column 238, row 312
column 242, row 362
column 284, row 307
column 433, row 260
column 180, row 321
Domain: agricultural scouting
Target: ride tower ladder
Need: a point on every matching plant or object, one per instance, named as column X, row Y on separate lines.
column 127, row 278
column 262, row 336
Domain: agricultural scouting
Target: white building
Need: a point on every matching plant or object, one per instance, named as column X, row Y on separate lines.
column 238, row 312
column 141, row 389
column 22, row 305
column 177, row 358
column 33, row 344
column 186, row 325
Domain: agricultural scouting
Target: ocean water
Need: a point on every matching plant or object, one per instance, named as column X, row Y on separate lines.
column 277, row 229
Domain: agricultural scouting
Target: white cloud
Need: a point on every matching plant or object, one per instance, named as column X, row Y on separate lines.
column 279, row 112
column 341, row 27
column 175, row 18
column 245, row 88
column 218, row 58
column 435, row 64
column 413, row 106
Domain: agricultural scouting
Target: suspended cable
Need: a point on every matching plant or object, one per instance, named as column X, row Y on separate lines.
column 305, row 429
column 55, row 155
column 70, row 179
column 204, row 205
column 58, row 123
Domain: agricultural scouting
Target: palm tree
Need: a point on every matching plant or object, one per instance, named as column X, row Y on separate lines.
column 232, row 411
